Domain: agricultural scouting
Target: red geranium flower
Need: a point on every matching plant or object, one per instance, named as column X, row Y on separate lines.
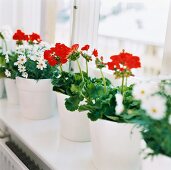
column 62, row 51
column 57, row 55
column 35, row 37
column 85, row 48
column 74, row 47
column 124, row 61
column 49, row 56
column 95, row 53
column 20, row 36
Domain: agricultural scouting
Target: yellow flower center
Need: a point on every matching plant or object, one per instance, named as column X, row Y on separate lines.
column 142, row 91
column 154, row 110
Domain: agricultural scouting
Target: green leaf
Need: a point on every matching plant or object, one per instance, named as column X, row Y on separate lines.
column 72, row 103
column 94, row 116
column 114, row 118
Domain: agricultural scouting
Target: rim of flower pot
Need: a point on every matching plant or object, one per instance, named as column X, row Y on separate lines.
column 8, row 78
column 114, row 123
column 32, row 79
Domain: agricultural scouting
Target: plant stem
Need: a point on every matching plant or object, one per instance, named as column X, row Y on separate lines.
column 60, row 66
column 104, row 80
column 87, row 67
column 126, row 81
column 122, row 87
column 6, row 48
column 79, row 67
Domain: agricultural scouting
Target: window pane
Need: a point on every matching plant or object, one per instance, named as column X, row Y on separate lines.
column 63, row 21
column 138, row 26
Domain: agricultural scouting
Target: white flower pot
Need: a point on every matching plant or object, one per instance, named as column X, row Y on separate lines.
column 11, row 91
column 1, row 87
column 73, row 125
column 36, row 98
column 114, row 147
column 159, row 162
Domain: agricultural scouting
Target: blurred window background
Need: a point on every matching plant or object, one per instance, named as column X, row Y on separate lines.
column 63, row 21
column 138, row 26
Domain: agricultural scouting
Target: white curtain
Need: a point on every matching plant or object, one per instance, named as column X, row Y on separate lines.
column 21, row 14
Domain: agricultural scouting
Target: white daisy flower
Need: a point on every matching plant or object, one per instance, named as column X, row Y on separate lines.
column 41, row 64
column 6, row 32
column 17, row 63
column 145, row 89
column 22, row 59
column 155, row 106
column 33, row 57
column 21, row 68
column 167, row 89
column 119, row 104
column 7, row 73
column 25, row 75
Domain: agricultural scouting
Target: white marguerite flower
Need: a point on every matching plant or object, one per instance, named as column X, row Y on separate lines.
column 33, row 57
column 145, row 89
column 119, row 104
column 155, row 106
column 167, row 89
column 25, row 75
column 6, row 32
column 41, row 64
column 21, row 68
column 7, row 73
column 17, row 63
column 22, row 59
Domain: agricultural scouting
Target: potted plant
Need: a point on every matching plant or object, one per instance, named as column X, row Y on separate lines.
column 115, row 141
column 2, row 75
column 36, row 98
column 155, row 116
column 11, row 73
column 5, row 36
column 74, row 125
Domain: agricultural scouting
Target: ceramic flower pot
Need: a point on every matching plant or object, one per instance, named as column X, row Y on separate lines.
column 114, row 146
column 73, row 125
column 1, row 87
column 159, row 162
column 36, row 98
column 11, row 90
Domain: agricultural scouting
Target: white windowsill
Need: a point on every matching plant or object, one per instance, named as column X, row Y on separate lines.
column 43, row 138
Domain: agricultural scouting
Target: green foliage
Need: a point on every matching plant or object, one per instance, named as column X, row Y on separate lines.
column 2, row 64
column 8, row 65
column 73, row 102
column 35, row 73
column 157, row 133
column 157, row 136
column 74, row 56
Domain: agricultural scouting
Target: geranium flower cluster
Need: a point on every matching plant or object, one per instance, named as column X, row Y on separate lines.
column 57, row 55
column 20, row 36
column 123, row 63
